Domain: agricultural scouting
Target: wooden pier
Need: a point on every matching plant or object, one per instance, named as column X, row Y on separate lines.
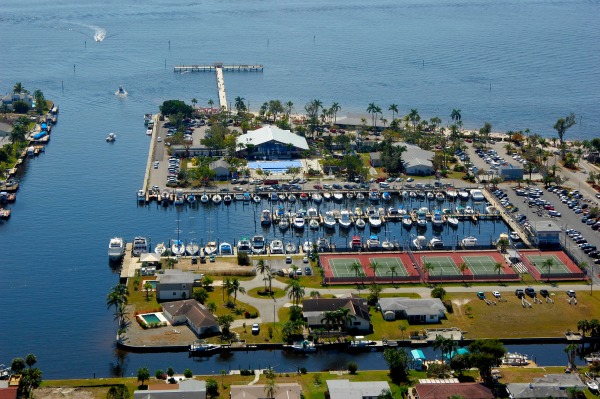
column 213, row 67
column 221, row 88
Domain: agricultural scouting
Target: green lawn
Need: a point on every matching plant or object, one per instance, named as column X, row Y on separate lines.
column 276, row 293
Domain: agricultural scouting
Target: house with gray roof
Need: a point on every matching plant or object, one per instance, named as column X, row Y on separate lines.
column 174, row 284
column 221, row 169
column 283, row 391
column 185, row 389
column 429, row 310
column 11, row 98
column 313, row 311
column 417, row 161
column 192, row 313
column 346, row 389
column 546, row 234
column 271, row 142
column 445, row 390
column 550, row 385
column 355, row 121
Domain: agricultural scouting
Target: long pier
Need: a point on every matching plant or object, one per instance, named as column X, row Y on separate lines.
column 221, row 88
column 213, row 67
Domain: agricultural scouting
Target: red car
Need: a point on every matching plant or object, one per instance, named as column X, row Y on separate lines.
column 549, row 207
column 380, row 179
column 469, row 140
column 318, row 187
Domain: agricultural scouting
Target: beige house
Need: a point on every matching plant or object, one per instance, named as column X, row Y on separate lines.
column 174, row 284
column 192, row 313
column 283, row 391
column 313, row 311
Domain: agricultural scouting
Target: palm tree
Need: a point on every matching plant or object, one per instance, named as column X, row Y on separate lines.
column 271, row 388
column 335, row 107
column 235, row 288
column 456, row 116
column 561, row 126
column 402, row 329
column 226, row 287
column 428, row 268
column 239, row 104
column 288, row 108
column 462, row 267
column 583, row 326
column 356, row 267
column 263, row 268
column 498, row 267
column 345, row 317
column 294, row 270
column 394, row 109
column 147, row 287
column 295, row 291
column 329, row 319
column 392, row 271
column 371, row 109
column 194, row 102
column 414, row 117
column 503, row 243
column 18, row 88
column 374, row 266
column 571, row 350
column 118, row 295
column 377, row 111
column 549, row 263
column 210, row 103
column 439, row 343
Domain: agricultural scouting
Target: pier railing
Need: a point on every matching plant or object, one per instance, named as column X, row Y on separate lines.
column 213, row 67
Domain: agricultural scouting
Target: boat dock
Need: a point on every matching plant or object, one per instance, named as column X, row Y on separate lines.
column 221, row 88
column 213, row 67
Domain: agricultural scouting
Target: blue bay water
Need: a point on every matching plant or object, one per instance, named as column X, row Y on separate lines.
column 539, row 57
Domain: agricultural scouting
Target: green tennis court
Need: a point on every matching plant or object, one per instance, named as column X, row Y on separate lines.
column 384, row 267
column 440, row 265
column 557, row 266
column 482, row 264
column 342, row 267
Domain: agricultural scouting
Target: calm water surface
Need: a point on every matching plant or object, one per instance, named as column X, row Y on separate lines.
column 539, row 57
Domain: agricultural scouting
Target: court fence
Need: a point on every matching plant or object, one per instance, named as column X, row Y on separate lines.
column 369, row 279
column 475, row 277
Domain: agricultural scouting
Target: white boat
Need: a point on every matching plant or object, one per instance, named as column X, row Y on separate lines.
column 204, row 198
column 225, row 249
column 374, row 218
column 350, row 195
column 463, row 195
column 515, row 237
column 373, row 242
column 149, row 131
column 191, row 199
column 360, row 223
column 404, row 194
column 477, row 195
column 177, row 248
column 307, row 246
column 141, row 196
column 386, row 244
column 406, row 221
column 299, row 222
column 274, row 197
column 210, row 248
column 515, row 359
column 160, row 249
column 313, row 224
column 452, row 221
column 323, row 244
column 121, row 92
column 303, row 347
column 329, row 220
column 265, row 218
column 192, row 248
column 360, row 197
column 337, row 196
column 440, row 196
column 256, row 198
column 491, row 210
column 430, row 196
column 592, row 357
column 374, row 196
column 345, row 221
column 469, row 210
column 291, row 198
column 420, row 242
column 436, row 243
column 111, row 137
column 317, row 198
column 216, row 199
column 451, row 194
column 437, row 219
column 422, row 217
column 239, row 197
column 259, row 244
column 327, row 196
column 284, row 224
column 227, row 199
column 312, row 213
column 116, row 248
column 592, row 385
column 139, row 246
column 276, row 247
column 201, row 347
column 412, row 195
column 179, row 198
column 290, row 248
column 469, row 241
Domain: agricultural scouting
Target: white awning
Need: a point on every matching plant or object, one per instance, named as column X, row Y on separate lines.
column 149, row 257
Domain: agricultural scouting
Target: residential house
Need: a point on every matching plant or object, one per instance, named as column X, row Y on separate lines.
column 417, row 161
column 283, row 391
column 185, row 389
column 468, row 390
column 550, row 385
column 357, row 121
column 346, row 389
column 419, row 311
column 174, row 284
column 11, row 98
column 271, row 142
column 375, row 159
column 221, row 169
column 192, row 313
column 313, row 311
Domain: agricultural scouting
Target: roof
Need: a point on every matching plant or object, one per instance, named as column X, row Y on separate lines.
column 345, row 389
column 546, row 226
column 415, row 155
column 562, row 380
column 272, row 133
column 284, row 391
column 375, row 155
column 412, row 307
column 9, row 392
column 193, row 310
column 185, row 388
column 411, row 162
column 471, row 390
column 175, row 276
column 219, row 163
column 355, row 120
column 526, row 391
column 313, row 309
column 149, row 257
column 511, row 167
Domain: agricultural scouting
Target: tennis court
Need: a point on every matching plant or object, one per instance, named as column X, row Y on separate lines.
column 482, row 264
column 342, row 267
column 385, row 265
column 539, row 262
column 440, row 265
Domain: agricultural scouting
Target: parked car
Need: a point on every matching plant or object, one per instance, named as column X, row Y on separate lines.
column 255, row 329
column 496, row 294
column 571, row 294
column 544, row 293
column 530, row 291
column 480, row 295
column 519, row 293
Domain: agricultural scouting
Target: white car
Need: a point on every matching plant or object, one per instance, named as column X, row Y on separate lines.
column 159, row 139
column 255, row 328
column 496, row 294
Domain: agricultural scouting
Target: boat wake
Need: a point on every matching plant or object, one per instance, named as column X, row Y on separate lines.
column 99, row 33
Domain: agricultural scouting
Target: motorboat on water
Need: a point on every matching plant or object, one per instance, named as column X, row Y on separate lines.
column 374, row 218
column 451, row 194
column 291, row 198
column 374, row 196
column 256, row 199
column 179, row 198
column 440, row 196
column 515, row 237
column 452, row 221
column 491, row 210
column 422, row 217
column 358, row 212
column 111, row 138
column 430, row 196
column 227, row 199
column 121, row 92
column 307, row 247
column 404, row 194
column 592, row 357
column 338, row 196
column 303, row 197
column 463, row 195
column 204, row 198
column 469, row 241
column 420, row 242
column 514, row 359
column 283, row 224
column 360, row 197
column 225, row 248
column 244, row 246
column 323, row 244
column 303, row 347
column 312, row 213
column 437, row 219
column 329, row 220
column 141, row 196
column 246, row 197
column 477, row 195
column 192, row 248
column 276, row 247
column 290, row 248
column 299, row 222
column 160, row 249
column 350, row 195
column 139, row 246
column 327, row 196
column 177, row 248
column 412, row 195
column 259, row 245
column 387, row 244
column 407, row 221
column 201, row 347
column 239, row 197
column 469, row 210
column 164, row 198
column 373, row 242
column 436, row 243
column 345, row 221
column 210, row 248
column 216, row 199
column 392, row 211
column 265, row 218
column 386, row 196
column 274, row 197
column 149, row 131
column 317, row 198
column 116, row 248
column 313, row 224
column 191, row 199
column 356, row 242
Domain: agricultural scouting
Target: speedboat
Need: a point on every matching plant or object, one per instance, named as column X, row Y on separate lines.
column 452, row 221
column 387, row 244
column 323, row 244
column 386, row 196
column 192, row 248
column 246, row 197
column 374, row 218
column 404, row 194
column 360, row 197
column 141, row 196
column 451, row 194
column 265, row 218
column 469, row 210
column 291, row 198
column 149, row 131
column 274, row 197
column 327, row 196
column 463, row 195
column 392, row 211
column 160, row 249
column 360, row 223
column 227, row 199
column 239, row 197
column 303, row 347
column 514, row 236
column 491, row 210
column 358, row 212
column 256, row 198
column 374, row 196
column 281, row 197
column 139, row 246
column 225, row 249
column 406, row 221
column 373, row 242
column 345, row 221
column 329, row 220
column 412, row 195
column 356, row 242
column 312, row 213
column 216, row 199
column 121, row 92
column 210, row 248
column 290, row 248
column 440, row 196
column 422, row 217
column 437, row 218
column 338, row 196
column 436, row 243
column 276, row 247
column 307, row 246
column 303, row 197
column 350, row 195
column 283, row 224
column 477, row 195
column 592, row 385
column 469, row 241
column 116, row 248
column 179, row 199
column 177, row 248
column 299, row 222
column 420, row 242
column 515, row 359
column 244, row 246
column 111, row 137
column 430, row 196
column 204, row 198
column 191, row 199
column 201, row 347
column 258, row 244
column 317, row 198
column 421, row 194
column 313, row 224
column 164, row 198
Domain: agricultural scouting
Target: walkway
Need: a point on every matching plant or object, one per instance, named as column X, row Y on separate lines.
column 221, row 87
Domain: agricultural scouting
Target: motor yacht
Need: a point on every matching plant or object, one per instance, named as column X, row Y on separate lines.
column 440, row 196
column 329, row 220
column 204, row 198
column 227, row 199
column 116, row 248
column 430, row 196
column 360, row 197
column 139, row 246
column 177, row 248
column 244, row 246
column 356, row 242
column 375, row 219
column 437, row 219
column 345, row 221
column 276, row 247
column 338, row 196
column 191, row 199
column 327, row 196
column 387, row 245
column 373, row 242
column 477, row 195
column 360, row 223
column 420, row 242
column 312, row 213
column 303, row 197
column 463, row 195
column 422, row 217
column 256, row 198
column 469, row 241
column 141, row 196
column 436, row 243
column 283, row 224
column 307, row 247
column 406, row 221
column 111, row 137
column 258, row 245
column 291, row 198
column 313, row 224
column 317, row 198
column 323, row 244
column 451, row 194
column 225, row 249
column 350, row 195
column 453, row 221
column 265, row 218
column 374, row 196
column 386, row 196
column 299, row 222
column 290, row 248
column 514, row 236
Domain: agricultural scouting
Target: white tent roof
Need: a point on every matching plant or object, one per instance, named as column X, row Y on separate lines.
column 149, row 257
column 273, row 133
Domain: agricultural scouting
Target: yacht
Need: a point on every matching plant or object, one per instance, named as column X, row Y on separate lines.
column 592, row 357
column 116, row 248
column 327, row 196
column 392, row 211
column 276, row 247
column 274, row 197
column 312, row 213
column 216, row 199
column 373, row 242
column 386, row 196
column 210, row 248
column 191, row 199
column 256, row 198
column 420, row 242
column 317, row 198
column 313, row 224
column 463, row 195
column 265, row 218
column 160, row 249
column 514, row 236
column 437, row 218
column 412, row 195
column 404, row 194
column 453, row 221
column 436, row 243
column 374, row 196
column 111, row 137
column 360, row 197
column 406, row 221
column 303, row 197
column 307, row 247
column 477, row 195
column 469, row 210
column 350, row 195
column 345, row 221
column 141, row 196
column 303, row 347
column 375, row 219
column 422, row 217
column 246, row 197
column 139, row 246
column 192, row 248
column 291, row 198
column 358, row 212
column 360, row 223
column 329, row 220
column 225, row 249
column 205, row 198
column 164, row 198
column 258, row 244
column 179, row 199
column 203, row 348
column 283, row 224
column 451, row 194
column 239, row 197
column 469, row 241
column 515, row 359
column 227, row 199
column 177, row 248
column 430, row 196
column 244, row 246
column 440, row 196
column 299, row 222
column 149, row 131
column 387, row 244
column 421, row 194
column 290, row 248
column 356, row 242
column 121, row 92
column 338, row 196
column 323, row 244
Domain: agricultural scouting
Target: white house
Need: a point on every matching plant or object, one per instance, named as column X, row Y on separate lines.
column 186, row 389
column 282, row 391
column 271, row 142
column 192, row 313
column 417, row 161
column 313, row 311
column 11, row 98
column 346, row 389
column 174, row 284
column 429, row 310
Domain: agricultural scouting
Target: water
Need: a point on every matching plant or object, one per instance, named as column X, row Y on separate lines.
column 54, row 275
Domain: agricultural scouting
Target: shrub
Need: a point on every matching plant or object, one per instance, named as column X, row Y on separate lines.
column 352, row 367
column 187, row 373
column 212, row 388
column 243, row 259
column 160, row 375
column 303, row 370
column 317, row 379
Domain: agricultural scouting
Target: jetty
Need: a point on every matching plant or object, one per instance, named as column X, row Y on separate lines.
column 213, row 67
column 221, row 88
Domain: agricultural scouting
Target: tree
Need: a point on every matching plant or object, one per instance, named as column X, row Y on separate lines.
column 397, row 361
column 212, row 388
column 498, row 268
column 352, row 367
column 235, row 288
column 240, row 106
column 143, row 375
column 571, row 351
column 438, row 292
column 30, row 360
column 374, row 292
column 459, row 363
column 372, row 109
column 583, row 326
column 463, row 267
column 428, row 268
column 373, row 265
column 549, row 263
column 224, row 322
column 402, row 328
column 210, row 103
column 147, row 287
column 561, row 126
column 175, row 107
column 118, row 392
column 503, row 243
column 414, row 117
column 187, row 373
column 271, row 388
column 226, row 287
column 30, row 379
column 335, row 108
column 455, row 115
column 263, row 269
column 201, row 295
column 295, row 292
column 394, row 109
column 485, row 354
column 19, row 132
column 18, row 88
column 17, row 365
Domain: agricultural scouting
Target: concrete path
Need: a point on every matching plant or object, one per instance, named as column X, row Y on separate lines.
column 256, row 377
